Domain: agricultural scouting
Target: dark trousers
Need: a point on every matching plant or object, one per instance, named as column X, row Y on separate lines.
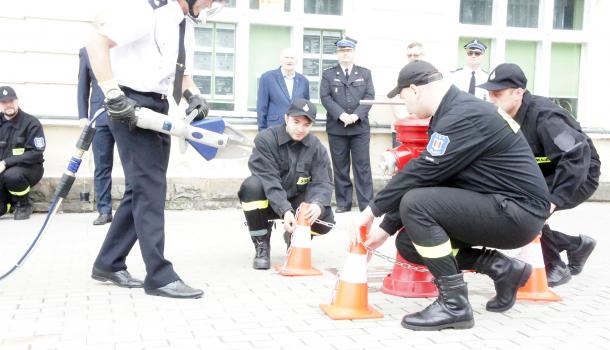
column 140, row 216
column 257, row 216
column 433, row 215
column 103, row 156
column 18, row 179
column 352, row 149
column 554, row 242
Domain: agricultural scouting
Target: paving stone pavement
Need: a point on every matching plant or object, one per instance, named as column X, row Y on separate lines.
column 52, row 303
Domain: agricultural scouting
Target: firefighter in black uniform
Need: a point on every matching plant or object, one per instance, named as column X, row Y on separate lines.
column 475, row 184
column 22, row 145
column 347, row 125
column 566, row 155
column 289, row 166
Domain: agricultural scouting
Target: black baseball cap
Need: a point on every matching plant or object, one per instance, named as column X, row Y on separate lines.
column 416, row 73
column 504, row 76
column 301, row 106
column 7, row 93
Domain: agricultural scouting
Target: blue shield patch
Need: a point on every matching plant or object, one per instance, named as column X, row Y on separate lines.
column 39, row 142
column 437, row 144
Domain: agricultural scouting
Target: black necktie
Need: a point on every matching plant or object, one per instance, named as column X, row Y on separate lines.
column 177, row 94
column 346, row 74
column 472, row 84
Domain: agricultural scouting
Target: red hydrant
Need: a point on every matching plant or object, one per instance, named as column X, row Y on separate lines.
column 414, row 281
column 413, row 137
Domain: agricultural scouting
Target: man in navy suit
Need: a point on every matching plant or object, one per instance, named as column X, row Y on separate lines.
column 90, row 99
column 277, row 89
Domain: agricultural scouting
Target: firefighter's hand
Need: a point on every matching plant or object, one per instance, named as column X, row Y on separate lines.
column 197, row 102
column 121, row 108
column 346, row 119
column 290, row 221
column 82, row 122
column 312, row 213
column 376, row 238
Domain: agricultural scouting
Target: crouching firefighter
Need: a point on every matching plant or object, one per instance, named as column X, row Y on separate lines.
column 22, row 145
column 289, row 166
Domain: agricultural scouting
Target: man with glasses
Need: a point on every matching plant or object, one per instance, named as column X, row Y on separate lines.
column 467, row 78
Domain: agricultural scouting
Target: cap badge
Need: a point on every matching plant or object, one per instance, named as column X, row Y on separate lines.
column 306, row 108
column 492, row 76
column 4, row 92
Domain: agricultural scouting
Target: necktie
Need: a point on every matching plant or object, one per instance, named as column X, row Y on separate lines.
column 177, row 93
column 472, row 84
column 346, row 74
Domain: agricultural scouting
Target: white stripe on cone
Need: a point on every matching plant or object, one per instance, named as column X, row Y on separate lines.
column 532, row 254
column 301, row 237
column 354, row 270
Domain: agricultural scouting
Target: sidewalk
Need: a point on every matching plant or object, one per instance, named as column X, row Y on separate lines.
column 52, row 303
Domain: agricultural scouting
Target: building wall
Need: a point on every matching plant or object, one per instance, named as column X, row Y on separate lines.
column 40, row 59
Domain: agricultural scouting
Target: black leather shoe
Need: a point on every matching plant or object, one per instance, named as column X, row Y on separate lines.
column 578, row 257
column 176, row 289
column 342, row 210
column 557, row 275
column 120, row 278
column 103, row 219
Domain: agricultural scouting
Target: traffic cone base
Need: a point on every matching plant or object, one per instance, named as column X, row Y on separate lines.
column 409, row 283
column 536, row 288
column 351, row 302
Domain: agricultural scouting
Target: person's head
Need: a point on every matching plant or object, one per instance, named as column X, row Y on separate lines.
column 300, row 118
column 506, row 85
column 288, row 60
column 415, row 51
column 422, row 88
column 9, row 104
column 475, row 52
column 346, row 50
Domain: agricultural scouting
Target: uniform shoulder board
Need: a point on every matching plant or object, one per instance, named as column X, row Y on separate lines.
column 484, row 71
column 457, row 70
column 330, row 68
column 155, row 4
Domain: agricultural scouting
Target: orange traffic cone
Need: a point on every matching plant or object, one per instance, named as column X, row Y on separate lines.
column 536, row 287
column 298, row 259
column 350, row 300
column 409, row 282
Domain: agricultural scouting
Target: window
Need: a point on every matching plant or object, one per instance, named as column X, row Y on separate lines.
column 523, row 53
column 324, row 7
column 565, row 73
column 522, row 13
column 214, row 67
column 568, row 14
column 319, row 53
column 475, row 11
column 282, row 5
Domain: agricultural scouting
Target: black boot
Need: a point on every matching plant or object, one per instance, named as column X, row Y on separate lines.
column 450, row 310
column 263, row 249
column 508, row 275
column 23, row 208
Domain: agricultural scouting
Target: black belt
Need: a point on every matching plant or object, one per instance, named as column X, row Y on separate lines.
column 149, row 94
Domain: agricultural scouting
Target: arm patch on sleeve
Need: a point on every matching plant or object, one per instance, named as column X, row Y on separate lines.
column 437, row 146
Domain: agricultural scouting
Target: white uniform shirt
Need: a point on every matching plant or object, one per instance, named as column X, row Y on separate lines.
column 289, row 80
column 147, row 45
column 461, row 79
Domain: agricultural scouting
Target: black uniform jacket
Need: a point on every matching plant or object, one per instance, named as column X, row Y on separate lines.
column 474, row 147
column 343, row 96
column 566, row 155
column 22, row 140
column 290, row 168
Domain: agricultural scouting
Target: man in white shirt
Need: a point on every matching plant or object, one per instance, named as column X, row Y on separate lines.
column 139, row 55
column 467, row 78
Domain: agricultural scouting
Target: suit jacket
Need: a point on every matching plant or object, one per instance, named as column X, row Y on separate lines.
column 273, row 99
column 339, row 95
column 89, row 95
